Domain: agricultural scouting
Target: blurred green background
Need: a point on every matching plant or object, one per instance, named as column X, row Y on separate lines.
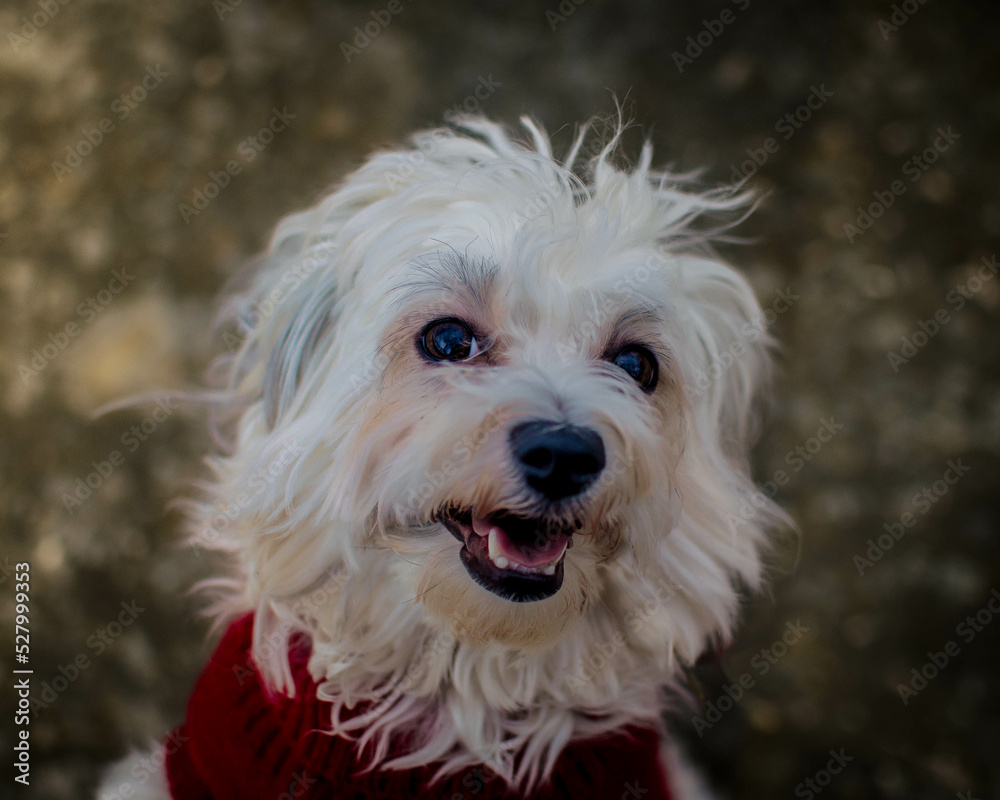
column 215, row 73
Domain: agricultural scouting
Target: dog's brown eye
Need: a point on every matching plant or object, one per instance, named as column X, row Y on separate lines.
column 638, row 362
column 449, row 340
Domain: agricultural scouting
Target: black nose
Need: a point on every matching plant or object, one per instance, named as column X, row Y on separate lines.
column 557, row 460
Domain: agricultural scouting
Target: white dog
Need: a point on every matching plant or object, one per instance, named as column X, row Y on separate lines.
column 483, row 500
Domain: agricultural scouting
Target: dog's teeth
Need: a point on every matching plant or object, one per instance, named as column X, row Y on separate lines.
column 494, row 550
column 493, row 544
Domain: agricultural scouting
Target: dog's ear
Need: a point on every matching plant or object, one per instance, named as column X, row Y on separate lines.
column 728, row 358
column 285, row 305
column 287, row 301
column 289, row 357
column 292, row 301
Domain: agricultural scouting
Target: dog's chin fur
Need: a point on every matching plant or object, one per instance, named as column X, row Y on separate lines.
column 349, row 443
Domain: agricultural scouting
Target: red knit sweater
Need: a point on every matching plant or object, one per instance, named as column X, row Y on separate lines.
column 240, row 742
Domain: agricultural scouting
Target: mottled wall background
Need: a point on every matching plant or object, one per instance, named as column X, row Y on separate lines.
column 885, row 80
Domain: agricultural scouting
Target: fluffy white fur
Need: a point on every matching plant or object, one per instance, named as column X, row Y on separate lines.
column 347, row 443
column 138, row 776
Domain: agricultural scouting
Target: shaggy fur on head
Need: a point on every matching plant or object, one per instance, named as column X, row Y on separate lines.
column 352, row 446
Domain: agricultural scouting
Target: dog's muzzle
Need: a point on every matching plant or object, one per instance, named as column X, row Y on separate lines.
column 522, row 558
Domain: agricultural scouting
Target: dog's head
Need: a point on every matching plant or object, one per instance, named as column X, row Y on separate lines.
column 500, row 401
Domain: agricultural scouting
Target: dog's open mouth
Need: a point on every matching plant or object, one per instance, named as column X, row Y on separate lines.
column 518, row 558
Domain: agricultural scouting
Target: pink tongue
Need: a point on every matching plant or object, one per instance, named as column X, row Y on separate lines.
column 543, row 550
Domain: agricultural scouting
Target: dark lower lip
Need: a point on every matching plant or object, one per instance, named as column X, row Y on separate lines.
column 517, row 587
column 454, row 523
column 512, row 585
